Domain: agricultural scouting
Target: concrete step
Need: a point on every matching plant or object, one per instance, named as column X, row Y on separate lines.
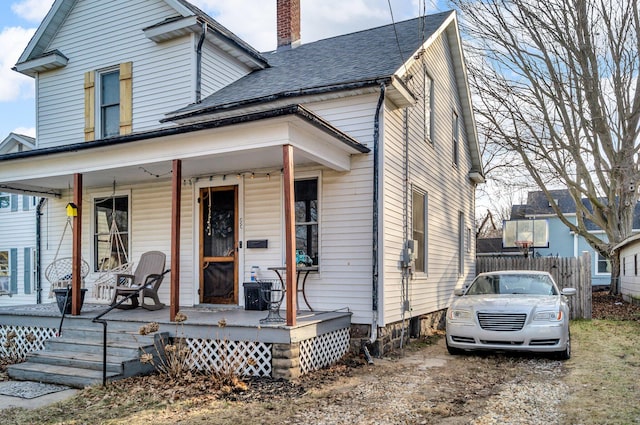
column 56, row 374
column 76, row 358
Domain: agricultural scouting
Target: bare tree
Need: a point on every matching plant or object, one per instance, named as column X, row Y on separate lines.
column 558, row 82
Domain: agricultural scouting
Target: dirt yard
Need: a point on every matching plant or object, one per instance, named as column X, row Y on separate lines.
column 422, row 385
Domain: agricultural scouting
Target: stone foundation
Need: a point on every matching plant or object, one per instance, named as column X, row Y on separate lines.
column 391, row 336
column 285, row 361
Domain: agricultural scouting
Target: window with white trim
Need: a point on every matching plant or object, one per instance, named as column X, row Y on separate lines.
column 5, row 201
column 419, row 228
column 603, row 265
column 455, row 130
column 428, row 107
column 306, row 216
column 111, row 236
column 109, row 103
column 5, row 272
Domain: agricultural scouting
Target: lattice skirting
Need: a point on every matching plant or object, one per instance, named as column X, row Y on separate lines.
column 17, row 341
column 246, row 358
column 323, row 350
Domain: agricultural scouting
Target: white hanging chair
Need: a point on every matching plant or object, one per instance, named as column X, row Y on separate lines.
column 60, row 272
column 110, row 267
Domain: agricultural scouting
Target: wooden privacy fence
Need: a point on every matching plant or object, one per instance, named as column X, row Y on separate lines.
column 567, row 272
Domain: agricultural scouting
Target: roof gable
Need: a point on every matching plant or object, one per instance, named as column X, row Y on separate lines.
column 15, row 142
column 36, row 57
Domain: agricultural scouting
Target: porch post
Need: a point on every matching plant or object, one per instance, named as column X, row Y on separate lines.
column 76, row 248
column 290, row 231
column 176, row 190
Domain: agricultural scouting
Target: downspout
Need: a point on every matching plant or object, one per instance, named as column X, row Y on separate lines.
column 199, row 63
column 376, row 144
column 406, row 269
column 39, row 250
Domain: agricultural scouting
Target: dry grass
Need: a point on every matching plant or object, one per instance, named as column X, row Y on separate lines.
column 603, row 373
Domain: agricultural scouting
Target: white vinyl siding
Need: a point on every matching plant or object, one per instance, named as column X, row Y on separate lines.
column 20, row 223
column 99, row 34
column 449, row 189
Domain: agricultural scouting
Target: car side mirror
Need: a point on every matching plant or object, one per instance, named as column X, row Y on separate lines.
column 569, row 291
column 458, row 292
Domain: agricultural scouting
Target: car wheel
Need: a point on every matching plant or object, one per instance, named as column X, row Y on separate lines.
column 453, row 350
column 566, row 353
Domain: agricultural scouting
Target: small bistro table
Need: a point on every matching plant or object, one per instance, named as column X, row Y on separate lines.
column 304, row 270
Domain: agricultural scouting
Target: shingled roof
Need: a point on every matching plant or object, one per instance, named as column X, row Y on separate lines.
column 538, row 204
column 361, row 58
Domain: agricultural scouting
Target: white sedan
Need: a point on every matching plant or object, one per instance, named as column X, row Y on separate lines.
column 510, row 311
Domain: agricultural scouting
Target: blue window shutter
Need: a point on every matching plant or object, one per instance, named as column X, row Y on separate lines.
column 25, row 202
column 14, row 202
column 27, row 270
column 13, row 259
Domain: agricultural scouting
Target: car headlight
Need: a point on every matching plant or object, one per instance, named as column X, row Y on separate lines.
column 461, row 315
column 549, row 316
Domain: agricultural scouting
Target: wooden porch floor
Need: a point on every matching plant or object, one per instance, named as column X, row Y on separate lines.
column 207, row 322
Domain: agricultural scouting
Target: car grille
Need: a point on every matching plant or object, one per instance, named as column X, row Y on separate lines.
column 501, row 322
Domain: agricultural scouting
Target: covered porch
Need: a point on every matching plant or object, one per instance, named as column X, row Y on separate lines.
column 227, row 151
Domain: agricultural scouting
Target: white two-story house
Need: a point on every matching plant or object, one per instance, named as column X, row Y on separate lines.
column 358, row 152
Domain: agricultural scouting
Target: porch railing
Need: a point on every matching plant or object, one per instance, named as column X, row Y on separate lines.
column 99, row 319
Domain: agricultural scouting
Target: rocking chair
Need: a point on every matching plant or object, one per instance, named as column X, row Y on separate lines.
column 148, row 273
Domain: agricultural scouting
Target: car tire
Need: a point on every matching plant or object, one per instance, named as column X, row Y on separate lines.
column 566, row 353
column 453, row 350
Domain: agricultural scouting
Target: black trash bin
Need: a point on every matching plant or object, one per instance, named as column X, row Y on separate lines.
column 252, row 298
column 61, row 294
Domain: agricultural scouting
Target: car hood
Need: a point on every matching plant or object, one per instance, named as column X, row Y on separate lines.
column 507, row 303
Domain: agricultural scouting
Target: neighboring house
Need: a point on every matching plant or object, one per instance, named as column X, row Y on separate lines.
column 561, row 241
column 154, row 113
column 629, row 276
column 17, row 234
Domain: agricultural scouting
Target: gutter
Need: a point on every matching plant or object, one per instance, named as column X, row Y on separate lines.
column 296, row 110
column 278, row 96
column 39, row 250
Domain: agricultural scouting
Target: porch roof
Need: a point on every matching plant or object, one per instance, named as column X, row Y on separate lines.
column 222, row 146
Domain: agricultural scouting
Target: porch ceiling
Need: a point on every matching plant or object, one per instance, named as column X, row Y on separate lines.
column 222, row 150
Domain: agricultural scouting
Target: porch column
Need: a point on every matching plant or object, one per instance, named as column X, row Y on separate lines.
column 176, row 192
column 76, row 248
column 290, row 232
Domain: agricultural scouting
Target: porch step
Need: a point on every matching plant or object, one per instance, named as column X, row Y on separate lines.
column 76, row 358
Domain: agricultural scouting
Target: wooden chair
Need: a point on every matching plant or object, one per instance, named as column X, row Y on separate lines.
column 149, row 274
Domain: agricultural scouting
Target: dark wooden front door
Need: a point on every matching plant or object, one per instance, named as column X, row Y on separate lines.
column 218, row 245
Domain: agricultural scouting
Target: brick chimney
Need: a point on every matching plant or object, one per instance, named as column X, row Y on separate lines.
column 288, row 24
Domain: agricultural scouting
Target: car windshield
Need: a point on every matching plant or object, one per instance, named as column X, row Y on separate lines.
column 499, row 284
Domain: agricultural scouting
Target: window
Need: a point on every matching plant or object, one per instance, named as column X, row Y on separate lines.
column 461, row 228
column 603, row 265
column 5, row 200
column 635, row 264
column 427, row 105
column 419, row 231
column 111, row 232
column 5, row 271
column 455, row 132
column 624, row 266
column 467, row 241
column 109, row 101
column 306, row 205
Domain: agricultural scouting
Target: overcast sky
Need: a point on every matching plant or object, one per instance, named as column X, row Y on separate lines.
column 320, row 19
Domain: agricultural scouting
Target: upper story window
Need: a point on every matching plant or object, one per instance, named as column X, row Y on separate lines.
column 5, row 201
column 455, row 130
column 419, row 230
column 306, row 205
column 108, row 102
column 428, row 107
